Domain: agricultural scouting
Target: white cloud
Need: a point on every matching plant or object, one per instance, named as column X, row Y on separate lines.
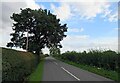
column 76, row 38
column 8, row 8
column 45, row 50
column 85, row 9
column 32, row 4
column 110, row 15
column 113, row 17
column 63, row 12
column 88, row 10
column 73, row 0
column 75, row 30
column 84, row 42
column 73, row 42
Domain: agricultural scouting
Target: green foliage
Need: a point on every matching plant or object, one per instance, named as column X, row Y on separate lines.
column 17, row 65
column 105, row 63
column 43, row 28
column 54, row 51
column 101, row 59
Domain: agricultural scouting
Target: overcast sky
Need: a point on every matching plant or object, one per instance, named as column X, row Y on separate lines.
column 91, row 25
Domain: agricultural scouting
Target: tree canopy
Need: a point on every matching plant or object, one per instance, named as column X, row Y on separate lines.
column 43, row 28
column 54, row 51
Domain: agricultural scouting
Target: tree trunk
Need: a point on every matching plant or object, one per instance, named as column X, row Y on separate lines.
column 38, row 56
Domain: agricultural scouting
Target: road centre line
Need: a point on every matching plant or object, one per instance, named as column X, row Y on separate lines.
column 70, row 74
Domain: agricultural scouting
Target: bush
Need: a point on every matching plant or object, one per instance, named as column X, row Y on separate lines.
column 16, row 65
column 103, row 59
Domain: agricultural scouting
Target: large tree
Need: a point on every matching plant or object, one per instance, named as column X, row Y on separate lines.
column 42, row 27
column 54, row 51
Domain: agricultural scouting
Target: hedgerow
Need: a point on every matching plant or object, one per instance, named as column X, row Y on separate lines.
column 102, row 59
column 17, row 65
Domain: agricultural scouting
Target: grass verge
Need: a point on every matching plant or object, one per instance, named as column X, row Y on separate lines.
column 113, row 75
column 37, row 74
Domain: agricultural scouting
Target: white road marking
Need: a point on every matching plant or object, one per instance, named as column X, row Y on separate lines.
column 70, row 74
column 56, row 63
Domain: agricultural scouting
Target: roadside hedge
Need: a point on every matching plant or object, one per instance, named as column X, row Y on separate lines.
column 17, row 65
column 102, row 59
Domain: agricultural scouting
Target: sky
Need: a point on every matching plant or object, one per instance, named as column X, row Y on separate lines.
column 92, row 24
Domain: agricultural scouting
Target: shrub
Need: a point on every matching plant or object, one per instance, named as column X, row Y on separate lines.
column 16, row 65
column 103, row 59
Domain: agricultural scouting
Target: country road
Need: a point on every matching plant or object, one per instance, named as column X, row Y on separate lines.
column 55, row 70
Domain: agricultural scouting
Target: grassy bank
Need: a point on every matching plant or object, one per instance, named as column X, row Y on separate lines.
column 17, row 65
column 113, row 75
column 37, row 74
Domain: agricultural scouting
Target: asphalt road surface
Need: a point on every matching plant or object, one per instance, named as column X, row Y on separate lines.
column 55, row 70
